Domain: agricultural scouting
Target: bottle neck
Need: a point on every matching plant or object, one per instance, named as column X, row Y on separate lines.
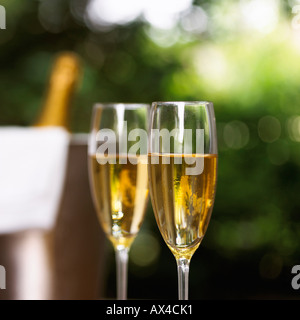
column 62, row 84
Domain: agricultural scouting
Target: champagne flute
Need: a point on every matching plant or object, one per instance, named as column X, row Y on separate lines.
column 182, row 165
column 119, row 176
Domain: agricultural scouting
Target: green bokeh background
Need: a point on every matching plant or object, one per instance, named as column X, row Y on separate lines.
column 253, row 79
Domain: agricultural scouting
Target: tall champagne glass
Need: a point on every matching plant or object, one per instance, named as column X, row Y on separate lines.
column 119, row 177
column 182, row 164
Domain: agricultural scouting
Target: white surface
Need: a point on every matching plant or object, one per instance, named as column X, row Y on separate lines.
column 32, row 171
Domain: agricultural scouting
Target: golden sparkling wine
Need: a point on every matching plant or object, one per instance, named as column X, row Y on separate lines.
column 120, row 194
column 182, row 203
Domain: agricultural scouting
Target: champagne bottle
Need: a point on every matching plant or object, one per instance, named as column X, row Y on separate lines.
column 63, row 80
column 62, row 84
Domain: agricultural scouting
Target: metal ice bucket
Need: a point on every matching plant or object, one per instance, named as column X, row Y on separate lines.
column 65, row 263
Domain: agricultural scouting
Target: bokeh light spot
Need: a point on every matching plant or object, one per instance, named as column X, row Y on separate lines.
column 269, row 129
column 260, row 15
column 194, row 20
column 270, row 266
column 293, row 128
column 52, row 15
column 159, row 14
column 236, row 134
column 145, row 250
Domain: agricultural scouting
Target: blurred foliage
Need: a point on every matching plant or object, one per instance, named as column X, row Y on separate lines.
column 253, row 78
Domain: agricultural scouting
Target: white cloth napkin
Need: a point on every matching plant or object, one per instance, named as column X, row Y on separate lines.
column 32, row 172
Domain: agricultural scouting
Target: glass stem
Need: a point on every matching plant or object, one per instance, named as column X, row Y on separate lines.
column 183, row 267
column 122, row 263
